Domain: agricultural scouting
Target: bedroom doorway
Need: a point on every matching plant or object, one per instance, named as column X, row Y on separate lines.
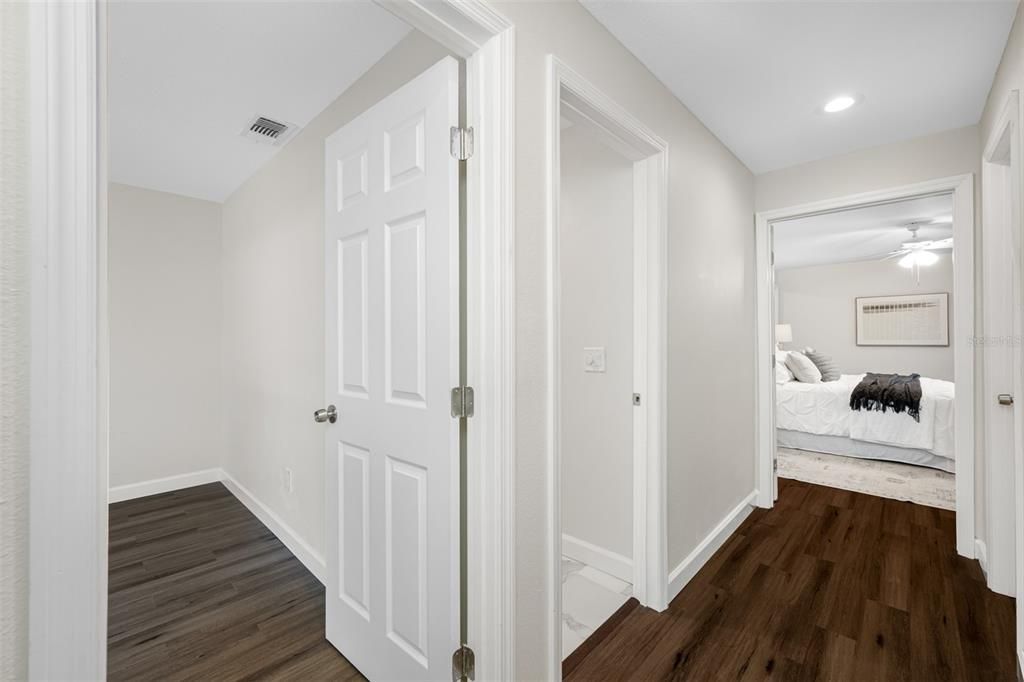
column 878, row 283
column 606, row 351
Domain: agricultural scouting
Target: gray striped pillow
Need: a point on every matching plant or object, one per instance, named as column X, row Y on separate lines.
column 825, row 364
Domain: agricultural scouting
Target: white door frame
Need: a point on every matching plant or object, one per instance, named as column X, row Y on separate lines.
column 567, row 88
column 961, row 187
column 1001, row 174
column 1001, row 196
column 68, row 478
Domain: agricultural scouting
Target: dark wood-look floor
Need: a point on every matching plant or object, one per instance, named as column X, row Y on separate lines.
column 200, row 589
column 829, row 585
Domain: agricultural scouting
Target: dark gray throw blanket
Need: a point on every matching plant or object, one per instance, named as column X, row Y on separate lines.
column 884, row 392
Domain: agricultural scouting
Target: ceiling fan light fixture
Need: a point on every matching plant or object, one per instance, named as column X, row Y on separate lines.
column 918, row 258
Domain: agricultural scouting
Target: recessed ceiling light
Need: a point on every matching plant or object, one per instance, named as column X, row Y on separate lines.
column 840, row 103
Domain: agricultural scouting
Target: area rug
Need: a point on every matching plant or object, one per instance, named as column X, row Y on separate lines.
column 921, row 485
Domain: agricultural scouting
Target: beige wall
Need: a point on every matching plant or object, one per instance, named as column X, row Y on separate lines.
column 165, row 339
column 711, row 291
column 596, row 253
column 818, row 301
column 15, row 342
column 953, row 152
column 273, row 288
column 1009, row 76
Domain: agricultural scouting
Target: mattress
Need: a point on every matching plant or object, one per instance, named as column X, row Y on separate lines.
column 823, row 409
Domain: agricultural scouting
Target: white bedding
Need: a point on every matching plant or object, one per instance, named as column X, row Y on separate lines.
column 824, row 409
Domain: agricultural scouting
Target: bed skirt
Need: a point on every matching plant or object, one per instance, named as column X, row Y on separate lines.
column 838, row 445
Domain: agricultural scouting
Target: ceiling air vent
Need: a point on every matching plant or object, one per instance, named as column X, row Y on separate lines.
column 268, row 130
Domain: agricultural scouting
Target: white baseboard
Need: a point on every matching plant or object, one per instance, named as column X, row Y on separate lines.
column 981, row 554
column 600, row 558
column 689, row 566
column 309, row 557
column 163, row 485
column 295, row 544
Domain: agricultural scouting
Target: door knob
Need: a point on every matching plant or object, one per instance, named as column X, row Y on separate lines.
column 1005, row 399
column 328, row 414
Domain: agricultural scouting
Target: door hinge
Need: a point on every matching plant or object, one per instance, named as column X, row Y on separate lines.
column 462, row 401
column 462, row 143
column 463, row 664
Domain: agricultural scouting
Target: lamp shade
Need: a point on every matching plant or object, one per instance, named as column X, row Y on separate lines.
column 783, row 333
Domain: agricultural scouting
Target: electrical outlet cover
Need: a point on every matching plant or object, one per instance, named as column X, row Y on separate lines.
column 593, row 359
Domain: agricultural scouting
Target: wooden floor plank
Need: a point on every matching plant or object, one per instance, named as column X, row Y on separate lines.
column 827, row 585
column 201, row 590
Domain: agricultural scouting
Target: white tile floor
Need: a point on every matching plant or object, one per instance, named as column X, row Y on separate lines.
column 589, row 598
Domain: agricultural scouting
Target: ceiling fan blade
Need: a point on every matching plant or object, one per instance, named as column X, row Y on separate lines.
column 946, row 243
column 896, row 254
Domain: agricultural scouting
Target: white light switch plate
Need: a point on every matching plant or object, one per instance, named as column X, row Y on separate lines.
column 593, row 359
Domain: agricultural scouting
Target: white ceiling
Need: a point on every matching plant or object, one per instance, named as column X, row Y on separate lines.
column 187, row 77
column 859, row 234
column 757, row 73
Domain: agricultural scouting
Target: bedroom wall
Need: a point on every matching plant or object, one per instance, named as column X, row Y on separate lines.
column 164, row 274
column 596, row 252
column 711, row 303
column 818, row 301
column 273, row 288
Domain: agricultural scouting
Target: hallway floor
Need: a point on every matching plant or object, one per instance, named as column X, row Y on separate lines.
column 829, row 584
column 200, row 589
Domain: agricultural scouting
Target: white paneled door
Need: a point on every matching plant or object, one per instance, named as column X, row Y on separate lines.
column 392, row 327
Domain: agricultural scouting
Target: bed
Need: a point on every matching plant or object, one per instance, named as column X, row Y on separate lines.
column 817, row 416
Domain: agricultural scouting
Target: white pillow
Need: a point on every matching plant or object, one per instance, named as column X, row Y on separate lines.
column 803, row 369
column 782, row 373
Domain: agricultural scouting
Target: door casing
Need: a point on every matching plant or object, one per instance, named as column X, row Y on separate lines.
column 569, row 91
column 961, row 187
column 68, row 531
column 1003, row 208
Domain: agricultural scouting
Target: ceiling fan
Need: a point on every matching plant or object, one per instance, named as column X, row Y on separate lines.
column 918, row 252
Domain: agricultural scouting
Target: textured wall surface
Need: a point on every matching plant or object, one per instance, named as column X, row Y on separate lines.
column 14, row 341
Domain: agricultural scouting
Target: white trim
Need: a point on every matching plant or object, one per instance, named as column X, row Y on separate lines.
column 962, row 189
column 1008, row 540
column 68, row 468
column 309, row 557
column 1001, row 300
column 600, row 558
column 156, row 486
column 650, row 156
column 981, row 554
column 688, row 567
column 491, row 360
